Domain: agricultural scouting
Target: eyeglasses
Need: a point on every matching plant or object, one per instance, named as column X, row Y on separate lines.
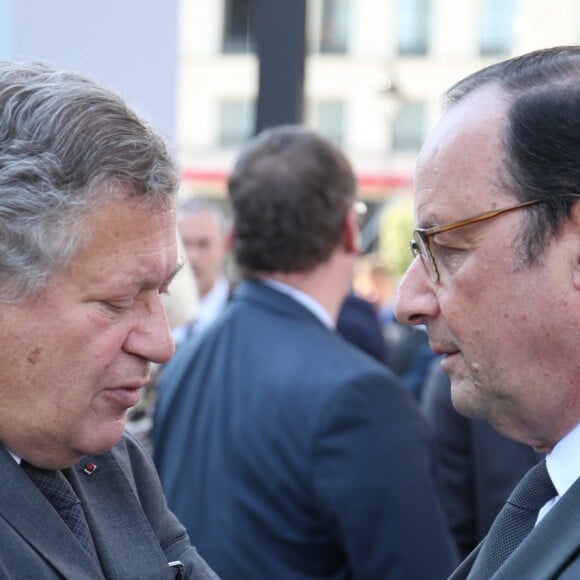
column 420, row 243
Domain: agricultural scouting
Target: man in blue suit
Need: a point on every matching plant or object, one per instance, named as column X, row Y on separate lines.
column 287, row 452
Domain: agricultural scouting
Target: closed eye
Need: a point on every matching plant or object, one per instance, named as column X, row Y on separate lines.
column 448, row 258
column 119, row 305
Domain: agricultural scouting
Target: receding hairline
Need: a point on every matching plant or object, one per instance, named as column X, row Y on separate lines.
column 538, row 70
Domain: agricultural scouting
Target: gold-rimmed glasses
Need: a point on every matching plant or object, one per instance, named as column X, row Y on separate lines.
column 420, row 243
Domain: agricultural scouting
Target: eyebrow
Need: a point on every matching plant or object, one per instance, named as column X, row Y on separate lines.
column 426, row 225
column 430, row 222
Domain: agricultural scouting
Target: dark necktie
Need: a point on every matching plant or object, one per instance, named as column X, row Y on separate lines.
column 59, row 492
column 514, row 522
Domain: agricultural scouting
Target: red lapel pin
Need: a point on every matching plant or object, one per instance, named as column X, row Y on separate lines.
column 90, row 468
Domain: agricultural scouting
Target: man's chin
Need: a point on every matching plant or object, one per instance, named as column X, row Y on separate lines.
column 465, row 399
column 103, row 440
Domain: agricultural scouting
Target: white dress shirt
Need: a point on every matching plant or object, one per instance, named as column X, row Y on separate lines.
column 302, row 298
column 208, row 309
column 211, row 305
column 563, row 464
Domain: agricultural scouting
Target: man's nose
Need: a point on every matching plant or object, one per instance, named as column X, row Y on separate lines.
column 151, row 336
column 416, row 301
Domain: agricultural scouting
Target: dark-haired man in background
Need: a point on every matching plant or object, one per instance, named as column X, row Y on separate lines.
column 288, row 452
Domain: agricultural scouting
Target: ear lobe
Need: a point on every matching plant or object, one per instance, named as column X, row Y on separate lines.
column 575, row 215
column 351, row 234
column 576, row 266
column 229, row 240
column 576, row 277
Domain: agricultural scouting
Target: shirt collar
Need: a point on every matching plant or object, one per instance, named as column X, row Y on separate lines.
column 302, row 298
column 563, row 462
column 211, row 305
column 14, row 456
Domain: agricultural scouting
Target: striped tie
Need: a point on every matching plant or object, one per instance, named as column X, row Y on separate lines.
column 60, row 494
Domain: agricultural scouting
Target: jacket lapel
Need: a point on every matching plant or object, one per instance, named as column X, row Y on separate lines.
column 546, row 549
column 123, row 536
column 464, row 568
column 26, row 509
column 553, row 542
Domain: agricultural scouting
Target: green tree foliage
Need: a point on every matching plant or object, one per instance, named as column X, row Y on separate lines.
column 396, row 228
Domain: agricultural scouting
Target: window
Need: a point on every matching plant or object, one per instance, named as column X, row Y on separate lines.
column 413, row 27
column 408, row 127
column 237, row 120
column 239, row 26
column 334, row 32
column 328, row 28
column 497, row 27
column 329, row 120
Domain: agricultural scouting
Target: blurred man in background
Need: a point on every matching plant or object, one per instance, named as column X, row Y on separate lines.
column 406, row 348
column 288, row 452
column 204, row 231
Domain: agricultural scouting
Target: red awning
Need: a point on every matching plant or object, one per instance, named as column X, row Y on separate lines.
column 371, row 182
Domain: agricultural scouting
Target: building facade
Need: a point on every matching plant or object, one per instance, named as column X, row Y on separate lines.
column 374, row 74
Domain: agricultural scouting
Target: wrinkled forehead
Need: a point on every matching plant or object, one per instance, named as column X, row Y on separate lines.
column 127, row 233
column 462, row 160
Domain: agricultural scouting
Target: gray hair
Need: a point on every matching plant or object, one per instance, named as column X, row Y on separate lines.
column 66, row 147
column 197, row 205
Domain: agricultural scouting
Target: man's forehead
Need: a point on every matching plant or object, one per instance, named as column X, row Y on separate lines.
column 461, row 165
column 131, row 234
column 480, row 113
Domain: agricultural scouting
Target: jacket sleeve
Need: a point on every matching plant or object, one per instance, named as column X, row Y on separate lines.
column 374, row 477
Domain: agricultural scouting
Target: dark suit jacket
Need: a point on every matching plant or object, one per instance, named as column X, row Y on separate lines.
column 408, row 353
column 551, row 551
column 290, row 454
column 478, row 468
column 134, row 533
column 358, row 323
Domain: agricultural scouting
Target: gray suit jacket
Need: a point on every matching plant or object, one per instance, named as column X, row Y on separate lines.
column 134, row 532
column 551, row 551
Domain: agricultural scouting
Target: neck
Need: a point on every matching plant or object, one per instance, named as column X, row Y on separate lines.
column 207, row 290
column 328, row 283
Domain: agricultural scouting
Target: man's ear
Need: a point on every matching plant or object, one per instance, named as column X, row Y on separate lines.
column 351, row 233
column 229, row 240
column 575, row 215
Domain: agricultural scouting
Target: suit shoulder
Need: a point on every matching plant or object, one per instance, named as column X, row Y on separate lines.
column 133, row 460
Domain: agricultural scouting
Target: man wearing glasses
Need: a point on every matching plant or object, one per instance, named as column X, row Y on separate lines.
column 496, row 280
